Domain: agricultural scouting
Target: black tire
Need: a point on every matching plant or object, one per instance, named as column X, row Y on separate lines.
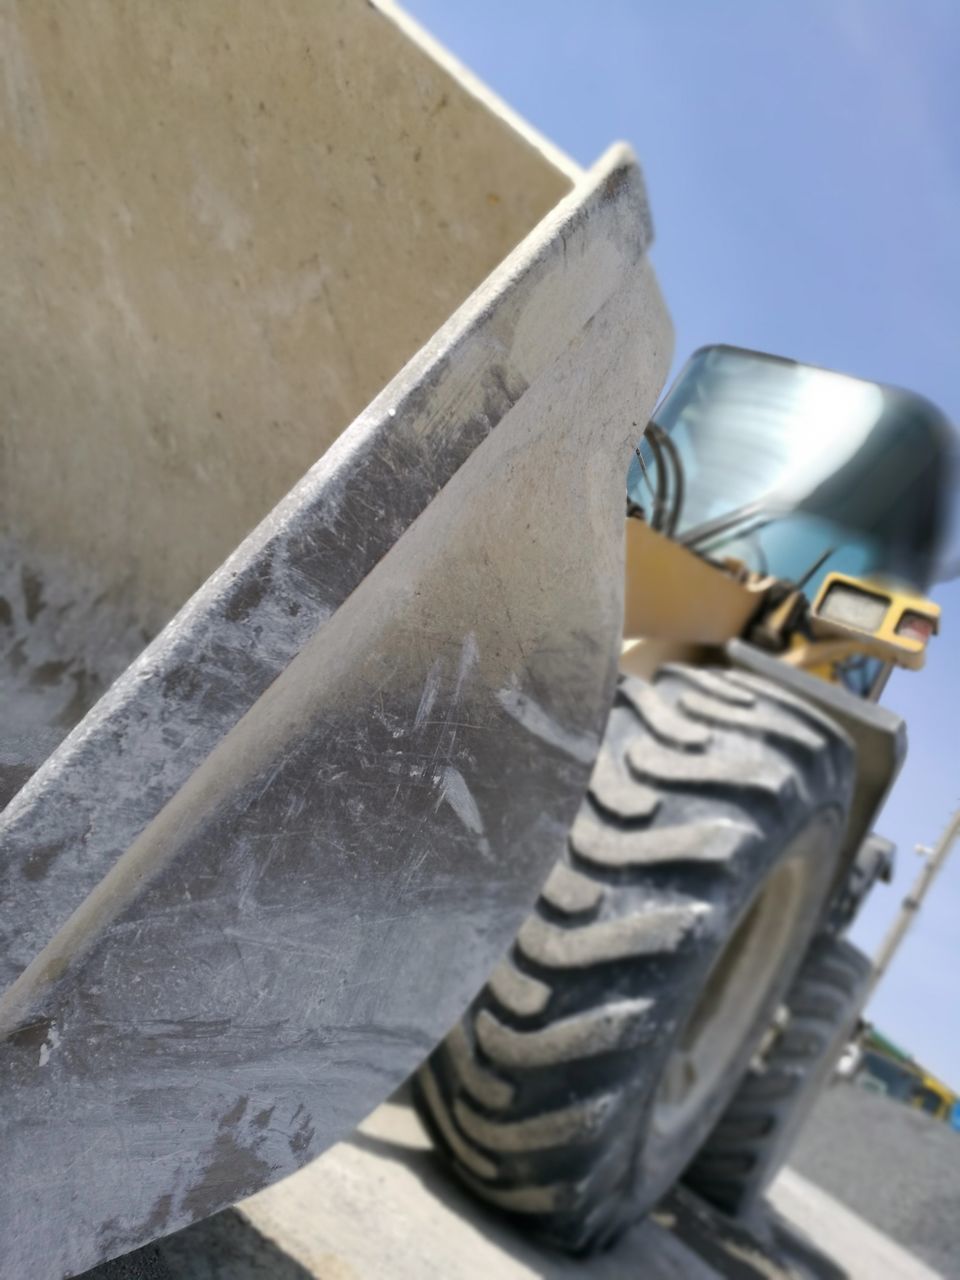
column 541, row 1098
column 753, row 1138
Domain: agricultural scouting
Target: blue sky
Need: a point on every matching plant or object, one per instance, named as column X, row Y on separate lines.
column 803, row 163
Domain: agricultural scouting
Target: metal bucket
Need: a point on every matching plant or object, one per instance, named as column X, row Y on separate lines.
column 298, row 696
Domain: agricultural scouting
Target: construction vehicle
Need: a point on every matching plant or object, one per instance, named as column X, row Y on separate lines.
column 884, row 1067
column 682, row 990
column 934, row 1097
column 321, row 373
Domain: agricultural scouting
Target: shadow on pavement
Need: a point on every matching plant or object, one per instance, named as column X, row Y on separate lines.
column 768, row 1250
column 224, row 1247
column 685, row 1238
column 758, row 1251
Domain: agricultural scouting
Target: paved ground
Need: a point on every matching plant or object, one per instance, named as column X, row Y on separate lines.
column 799, row 1210
column 894, row 1166
column 378, row 1208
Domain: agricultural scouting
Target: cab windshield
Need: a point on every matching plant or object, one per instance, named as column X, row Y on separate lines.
column 797, row 471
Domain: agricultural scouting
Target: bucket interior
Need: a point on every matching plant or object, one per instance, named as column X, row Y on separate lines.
column 222, row 235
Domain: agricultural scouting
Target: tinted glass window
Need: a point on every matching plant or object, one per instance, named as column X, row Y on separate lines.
column 783, row 464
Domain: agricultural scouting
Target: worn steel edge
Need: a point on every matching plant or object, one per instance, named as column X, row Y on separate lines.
column 266, row 872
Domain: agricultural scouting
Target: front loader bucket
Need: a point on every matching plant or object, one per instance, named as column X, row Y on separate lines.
column 248, row 888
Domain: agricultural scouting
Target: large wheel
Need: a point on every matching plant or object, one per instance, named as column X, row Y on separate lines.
column 756, row 1132
column 601, row 1053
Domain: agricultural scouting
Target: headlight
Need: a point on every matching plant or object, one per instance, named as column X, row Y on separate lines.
column 917, row 626
column 852, row 607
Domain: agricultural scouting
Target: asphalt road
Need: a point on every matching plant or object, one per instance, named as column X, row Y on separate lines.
column 377, row 1207
column 892, row 1165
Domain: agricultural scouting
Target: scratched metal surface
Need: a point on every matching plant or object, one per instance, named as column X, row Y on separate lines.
column 284, row 849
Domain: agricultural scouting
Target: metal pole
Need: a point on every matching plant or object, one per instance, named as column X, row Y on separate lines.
column 933, row 861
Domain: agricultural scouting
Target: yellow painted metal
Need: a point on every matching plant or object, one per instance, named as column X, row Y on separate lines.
column 644, row 658
column 883, row 642
column 673, row 594
column 679, row 606
column 820, row 657
column 933, row 1096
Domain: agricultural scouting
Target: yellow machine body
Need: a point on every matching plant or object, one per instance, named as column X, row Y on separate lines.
column 934, row 1097
column 681, row 605
column 883, row 620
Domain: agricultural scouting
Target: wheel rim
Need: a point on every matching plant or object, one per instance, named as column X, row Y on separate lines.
column 734, row 994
